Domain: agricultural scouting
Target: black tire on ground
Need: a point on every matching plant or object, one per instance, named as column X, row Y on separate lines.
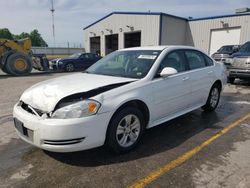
column 230, row 80
column 134, row 135
column 69, row 67
column 18, row 64
column 213, row 98
column 5, row 70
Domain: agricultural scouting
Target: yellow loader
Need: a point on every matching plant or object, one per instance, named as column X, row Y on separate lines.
column 16, row 56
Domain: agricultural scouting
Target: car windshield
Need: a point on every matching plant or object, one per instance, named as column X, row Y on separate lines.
column 226, row 49
column 131, row 64
column 245, row 48
column 75, row 56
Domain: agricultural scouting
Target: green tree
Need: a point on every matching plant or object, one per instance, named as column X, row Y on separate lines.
column 21, row 36
column 37, row 39
column 6, row 34
column 34, row 35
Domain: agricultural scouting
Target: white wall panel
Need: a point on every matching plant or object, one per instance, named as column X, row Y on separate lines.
column 198, row 32
column 147, row 24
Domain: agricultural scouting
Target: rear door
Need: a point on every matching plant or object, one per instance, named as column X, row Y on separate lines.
column 201, row 77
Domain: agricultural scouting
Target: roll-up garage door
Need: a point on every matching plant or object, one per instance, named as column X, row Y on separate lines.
column 223, row 37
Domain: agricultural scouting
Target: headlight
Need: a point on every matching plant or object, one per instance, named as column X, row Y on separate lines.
column 77, row 110
column 60, row 63
column 228, row 60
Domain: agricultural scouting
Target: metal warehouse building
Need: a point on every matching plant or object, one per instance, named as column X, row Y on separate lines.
column 129, row 29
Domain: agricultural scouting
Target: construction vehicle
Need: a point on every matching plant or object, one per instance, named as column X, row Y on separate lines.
column 16, row 57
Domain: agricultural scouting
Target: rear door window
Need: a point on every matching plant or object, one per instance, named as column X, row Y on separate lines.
column 195, row 59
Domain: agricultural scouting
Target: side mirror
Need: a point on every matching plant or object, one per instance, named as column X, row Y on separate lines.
column 168, row 71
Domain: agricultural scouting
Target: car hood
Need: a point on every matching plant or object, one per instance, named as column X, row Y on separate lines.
column 55, row 60
column 45, row 95
column 67, row 59
column 241, row 54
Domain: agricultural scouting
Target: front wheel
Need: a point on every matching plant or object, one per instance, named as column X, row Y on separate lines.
column 125, row 130
column 213, row 98
column 18, row 64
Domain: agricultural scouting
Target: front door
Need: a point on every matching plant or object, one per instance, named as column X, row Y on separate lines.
column 171, row 94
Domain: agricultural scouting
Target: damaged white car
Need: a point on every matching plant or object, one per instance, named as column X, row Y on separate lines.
column 116, row 99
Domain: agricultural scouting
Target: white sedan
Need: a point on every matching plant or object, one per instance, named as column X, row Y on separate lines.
column 117, row 98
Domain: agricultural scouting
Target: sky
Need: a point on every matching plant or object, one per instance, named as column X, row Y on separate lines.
column 71, row 16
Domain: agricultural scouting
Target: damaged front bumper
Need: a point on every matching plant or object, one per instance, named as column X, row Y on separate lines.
column 61, row 135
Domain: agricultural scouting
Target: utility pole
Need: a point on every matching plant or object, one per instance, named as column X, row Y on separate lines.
column 53, row 25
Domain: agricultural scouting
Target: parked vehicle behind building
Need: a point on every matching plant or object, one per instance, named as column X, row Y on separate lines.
column 117, row 98
column 225, row 52
column 78, row 61
column 240, row 64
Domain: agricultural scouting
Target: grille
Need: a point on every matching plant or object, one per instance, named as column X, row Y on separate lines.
column 240, row 62
column 30, row 109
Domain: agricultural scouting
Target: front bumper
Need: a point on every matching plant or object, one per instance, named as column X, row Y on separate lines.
column 52, row 65
column 62, row 135
column 239, row 73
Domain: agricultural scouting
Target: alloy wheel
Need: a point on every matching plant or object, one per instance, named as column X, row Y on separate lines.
column 128, row 130
column 214, row 97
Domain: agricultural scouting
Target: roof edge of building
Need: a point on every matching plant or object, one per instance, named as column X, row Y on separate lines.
column 220, row 16
column 134, row 13
column 165, row 14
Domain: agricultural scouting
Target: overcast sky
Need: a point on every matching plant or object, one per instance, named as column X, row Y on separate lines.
column 72, row 15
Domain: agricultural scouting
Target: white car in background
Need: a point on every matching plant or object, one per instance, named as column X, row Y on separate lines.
column 116, row 99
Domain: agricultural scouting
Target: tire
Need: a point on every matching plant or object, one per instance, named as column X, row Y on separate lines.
column 213, row 98
column 5, row 70
column 18, row 64
column 119, row 141
column 230, row 80
column 69, row 67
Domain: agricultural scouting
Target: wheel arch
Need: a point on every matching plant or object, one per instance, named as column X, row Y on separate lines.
column 219, row 83
column 142, row 106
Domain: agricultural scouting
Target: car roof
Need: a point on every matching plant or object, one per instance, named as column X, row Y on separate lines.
column 158, row 48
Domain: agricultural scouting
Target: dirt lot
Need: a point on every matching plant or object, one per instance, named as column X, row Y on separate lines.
column 223, row 163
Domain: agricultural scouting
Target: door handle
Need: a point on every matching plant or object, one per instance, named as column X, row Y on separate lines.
column 210, row 72
column 185, row 78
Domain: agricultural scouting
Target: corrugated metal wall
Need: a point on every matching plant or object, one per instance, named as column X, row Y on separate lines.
column 147, row 24
column 199, row 32
column 173, row 31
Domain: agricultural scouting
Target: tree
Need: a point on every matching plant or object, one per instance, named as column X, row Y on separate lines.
column 6, row 34
column 34, row 35
column 21, row 36
column 37, row 39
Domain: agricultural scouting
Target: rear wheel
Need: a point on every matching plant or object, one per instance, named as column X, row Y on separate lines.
column 69, row 67
column 125, row 130
column 18, row 64
column 213, row 98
